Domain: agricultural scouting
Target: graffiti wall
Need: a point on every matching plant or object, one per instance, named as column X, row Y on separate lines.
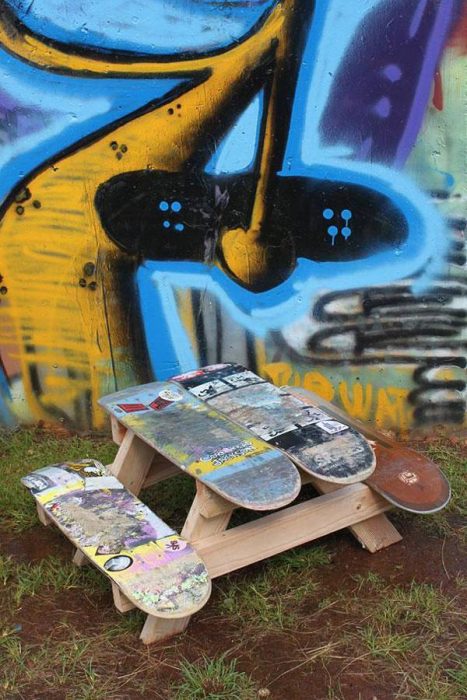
column 276, row 183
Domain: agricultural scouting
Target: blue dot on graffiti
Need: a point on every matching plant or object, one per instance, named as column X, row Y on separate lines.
column 176, row 206
column 163, row 206
column 328, row 213
column 346, row 232
column 179, row 227
column 346, row 214
column 333, row 230
column 166, row 224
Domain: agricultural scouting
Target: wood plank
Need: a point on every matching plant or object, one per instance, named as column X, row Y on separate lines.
column 156, row 629
column 42, row 515
column 288, row 528
column 197, row 526
column 118, row 430
column 373, row 534
column 132, row 462
column 376, row 533
column 121, row 602
column 80, row 559
column 160, row 470
column 211, row 504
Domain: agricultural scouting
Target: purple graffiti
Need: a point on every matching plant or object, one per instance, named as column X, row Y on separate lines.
column 380, row 92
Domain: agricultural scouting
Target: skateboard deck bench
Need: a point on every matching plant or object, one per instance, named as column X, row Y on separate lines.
column 150, row 566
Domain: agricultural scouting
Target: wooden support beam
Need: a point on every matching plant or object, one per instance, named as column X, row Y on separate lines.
column 42, row 515
column 118, row 430
column 80, row 559
column 373, row 534
column 121, row 602
column 156, row 629
column 160, row 470
column 211, row 504
column 132, row 462
column 198, row 526
column 282, row 530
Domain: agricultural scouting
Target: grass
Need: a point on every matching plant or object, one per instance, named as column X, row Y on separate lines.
column 271, row 598
column 416, row 631
column 213, row 679
column 295, row 628
column 23, row 451
column 51, row 574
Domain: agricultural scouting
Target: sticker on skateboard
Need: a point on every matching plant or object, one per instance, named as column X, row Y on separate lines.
column 152, row 565
column 405, row 478
column 204, row 443
column 316, row 441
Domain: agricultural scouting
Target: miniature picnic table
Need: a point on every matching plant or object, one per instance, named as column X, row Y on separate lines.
column 138, row 465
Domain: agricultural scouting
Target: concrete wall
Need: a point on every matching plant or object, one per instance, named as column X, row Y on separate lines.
column 280, row 184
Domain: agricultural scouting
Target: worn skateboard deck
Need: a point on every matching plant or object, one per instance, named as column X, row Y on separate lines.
column 152, row 565
column 405, row 478
column 320, row 445
column 204, row 443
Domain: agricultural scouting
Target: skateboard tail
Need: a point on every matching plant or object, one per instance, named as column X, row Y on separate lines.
column 405, row 478
column 409, row 480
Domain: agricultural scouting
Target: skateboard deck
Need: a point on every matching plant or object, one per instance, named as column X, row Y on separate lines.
column 152, row 565
column 204, row 443
column 405, row 478
column 316, row 442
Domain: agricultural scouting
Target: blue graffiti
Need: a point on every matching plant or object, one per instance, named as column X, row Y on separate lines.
column 153, row 27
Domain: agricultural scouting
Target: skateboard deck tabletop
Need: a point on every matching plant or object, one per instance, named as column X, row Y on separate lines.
column 318, row 443
column 205, row 444
column 405, row 478
column 154, row 567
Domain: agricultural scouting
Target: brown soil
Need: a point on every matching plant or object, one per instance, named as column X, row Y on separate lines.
column 272, row 659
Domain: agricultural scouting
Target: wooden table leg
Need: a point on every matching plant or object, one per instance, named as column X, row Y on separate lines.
column 80, row 559
column 42, row 515
column 155, row 629
column 132, row 462
column 121, row 602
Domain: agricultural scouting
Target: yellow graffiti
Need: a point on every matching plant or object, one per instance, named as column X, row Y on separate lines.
column 386, row 406
column 72, row 339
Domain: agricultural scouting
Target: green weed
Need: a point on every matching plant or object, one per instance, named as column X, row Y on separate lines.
column 382, row 644
column 213, row 679
column 271, row 598
column 51, row 574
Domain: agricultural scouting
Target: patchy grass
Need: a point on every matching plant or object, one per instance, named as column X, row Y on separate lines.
column 271, row 599
column 414, row 632
column 21, row 452
column 213, row 679
column 327, row 621
column 51, row 575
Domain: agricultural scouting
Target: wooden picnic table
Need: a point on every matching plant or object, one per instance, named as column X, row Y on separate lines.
column 138, row 465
